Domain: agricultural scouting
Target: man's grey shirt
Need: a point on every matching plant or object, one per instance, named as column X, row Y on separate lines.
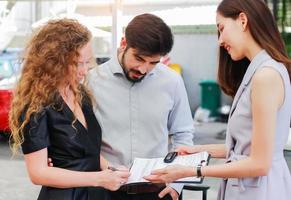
column 137, row 118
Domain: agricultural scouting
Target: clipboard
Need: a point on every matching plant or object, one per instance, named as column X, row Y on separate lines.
column 196, row 180
column 144, row 166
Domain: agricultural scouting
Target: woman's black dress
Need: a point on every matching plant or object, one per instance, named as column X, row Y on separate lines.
column 70, row 145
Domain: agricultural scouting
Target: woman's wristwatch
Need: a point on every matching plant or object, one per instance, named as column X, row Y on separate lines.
column 198, row 171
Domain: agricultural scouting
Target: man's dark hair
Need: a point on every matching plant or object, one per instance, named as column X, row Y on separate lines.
column 149, row 35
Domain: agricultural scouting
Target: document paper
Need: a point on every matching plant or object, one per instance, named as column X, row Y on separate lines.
column 142, row 166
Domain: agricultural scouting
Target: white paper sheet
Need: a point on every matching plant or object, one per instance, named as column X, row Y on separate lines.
column 142, row 166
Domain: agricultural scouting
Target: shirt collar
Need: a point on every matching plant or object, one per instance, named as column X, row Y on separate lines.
column 114, row 65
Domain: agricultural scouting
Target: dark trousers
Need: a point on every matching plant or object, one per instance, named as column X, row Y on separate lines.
column 120, row 195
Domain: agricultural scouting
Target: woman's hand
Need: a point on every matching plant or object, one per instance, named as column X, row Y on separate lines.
column 184, row 150
column 170, row 174
column 112, row 180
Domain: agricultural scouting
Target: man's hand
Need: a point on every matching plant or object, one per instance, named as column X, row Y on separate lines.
column 50, row 162
column 168, row 190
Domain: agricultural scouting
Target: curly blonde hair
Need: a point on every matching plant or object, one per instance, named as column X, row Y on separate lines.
column 50, row 61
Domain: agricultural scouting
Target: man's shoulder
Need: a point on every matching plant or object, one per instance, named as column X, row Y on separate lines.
column 93, row 72
column 104, row 65
column 164, row 70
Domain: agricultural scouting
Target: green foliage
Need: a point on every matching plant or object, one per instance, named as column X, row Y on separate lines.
column 284, row 22
column 287, row 39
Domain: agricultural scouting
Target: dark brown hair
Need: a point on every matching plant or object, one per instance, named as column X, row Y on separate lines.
column 149, row 35
column 263, row 29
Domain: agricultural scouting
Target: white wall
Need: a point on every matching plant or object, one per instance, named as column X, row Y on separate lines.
column 197, row 54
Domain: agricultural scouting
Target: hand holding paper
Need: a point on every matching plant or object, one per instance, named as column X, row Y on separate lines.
column 170, row 173
column 181, row 169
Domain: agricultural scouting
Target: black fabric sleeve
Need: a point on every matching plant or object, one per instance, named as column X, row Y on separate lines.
column 36, row 134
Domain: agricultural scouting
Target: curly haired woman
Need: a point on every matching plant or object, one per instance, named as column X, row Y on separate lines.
column 52, row 116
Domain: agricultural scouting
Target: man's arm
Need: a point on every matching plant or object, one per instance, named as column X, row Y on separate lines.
column 180, row 123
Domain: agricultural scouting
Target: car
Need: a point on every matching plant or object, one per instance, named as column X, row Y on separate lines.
column 9, row 73
column 5, row 99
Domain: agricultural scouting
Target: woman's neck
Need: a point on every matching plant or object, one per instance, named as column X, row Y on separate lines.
column 67, row 94
column 252, row 49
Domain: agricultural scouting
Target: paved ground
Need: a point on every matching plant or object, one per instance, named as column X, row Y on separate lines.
column 15, row 184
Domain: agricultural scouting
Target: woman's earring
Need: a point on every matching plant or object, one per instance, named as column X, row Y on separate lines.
column 244, row 27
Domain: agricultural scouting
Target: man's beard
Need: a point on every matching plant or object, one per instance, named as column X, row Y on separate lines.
column 133, row 80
